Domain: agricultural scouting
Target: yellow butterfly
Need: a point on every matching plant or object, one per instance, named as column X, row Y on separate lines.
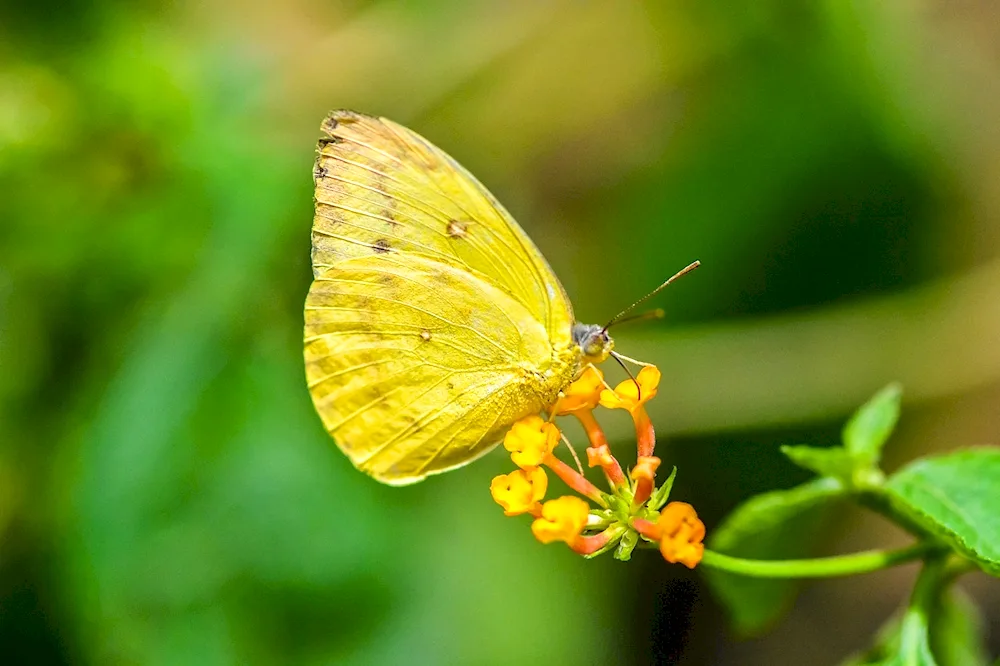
column 433, row 322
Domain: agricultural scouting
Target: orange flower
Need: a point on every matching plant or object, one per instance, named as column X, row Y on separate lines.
column 599, row 456
column 563, row 519
column 627, row 394
column 583, row 394
column 643, row 474
column 645, row 468
column 681, row 533
column 520, row 491
column 530, row 441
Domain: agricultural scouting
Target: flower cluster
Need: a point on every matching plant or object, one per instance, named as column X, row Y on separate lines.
column 634, row 511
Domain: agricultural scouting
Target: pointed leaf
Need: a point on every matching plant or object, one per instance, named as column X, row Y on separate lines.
column 834, row 461
column 662, row 494
column 779, row 524
column 867, row 431
column 955, row 496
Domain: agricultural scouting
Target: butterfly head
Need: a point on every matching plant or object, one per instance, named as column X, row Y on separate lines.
column 594, row 342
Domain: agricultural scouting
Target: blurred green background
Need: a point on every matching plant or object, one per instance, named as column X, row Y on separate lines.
column 167, row 494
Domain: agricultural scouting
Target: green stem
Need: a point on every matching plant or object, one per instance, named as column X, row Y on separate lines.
column 822, row 567
column 914, row 643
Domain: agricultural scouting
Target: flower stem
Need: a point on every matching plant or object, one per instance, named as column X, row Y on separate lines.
column 646, row 528
column 821, row 567
column 644, row 434
column 600, row 542
column 575, row 480
column 594, row 431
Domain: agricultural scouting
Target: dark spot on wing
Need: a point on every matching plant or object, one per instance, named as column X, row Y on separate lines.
column 450, row 385
column 330, row 122
column 328, row 140
column 457, row 229
column 382, row 246
column 319, row 172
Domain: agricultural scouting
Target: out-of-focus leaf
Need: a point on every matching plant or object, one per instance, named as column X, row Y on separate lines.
column 867, row 431
column 955, row 496
column 955, row 636
column 833, row 461
column 886, row 645
column 917, row 652
column 779, row 524
column 956, row 632
column 864, row 436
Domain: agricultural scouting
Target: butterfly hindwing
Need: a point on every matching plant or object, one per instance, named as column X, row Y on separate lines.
column 414, row 364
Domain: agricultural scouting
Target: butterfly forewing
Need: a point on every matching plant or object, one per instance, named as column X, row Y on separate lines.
column 433, row 322
column 380, row 185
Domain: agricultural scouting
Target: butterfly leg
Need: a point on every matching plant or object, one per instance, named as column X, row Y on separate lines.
column 569, row 446
column 623, row 357
column 586, row 367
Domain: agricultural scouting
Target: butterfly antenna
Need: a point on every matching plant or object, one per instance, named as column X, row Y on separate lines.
column 638, row 388
column 684, row 271
column 658, row 313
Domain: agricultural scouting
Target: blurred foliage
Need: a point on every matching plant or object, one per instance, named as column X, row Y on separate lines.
column 166, row 493
column 946, row 501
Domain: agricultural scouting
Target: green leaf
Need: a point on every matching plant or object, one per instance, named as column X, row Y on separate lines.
column 886, row 645
column 956, row 632
column 955, row 496
column 662, row 494
column 835, row 461
column 914, row 649
column 867, row 431
column 780, row 524
column 955, row 639
column 627, row 544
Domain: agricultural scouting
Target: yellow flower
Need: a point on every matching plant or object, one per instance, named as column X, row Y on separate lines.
column 520, row 491
column 582, row 394
column 627, row 395
column 530, row 441
column 563, row 519
column 681, row 534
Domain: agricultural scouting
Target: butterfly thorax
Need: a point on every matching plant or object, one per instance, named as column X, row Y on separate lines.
column 594, row 342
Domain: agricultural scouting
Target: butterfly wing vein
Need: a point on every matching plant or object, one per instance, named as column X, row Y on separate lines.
column 432, row 322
